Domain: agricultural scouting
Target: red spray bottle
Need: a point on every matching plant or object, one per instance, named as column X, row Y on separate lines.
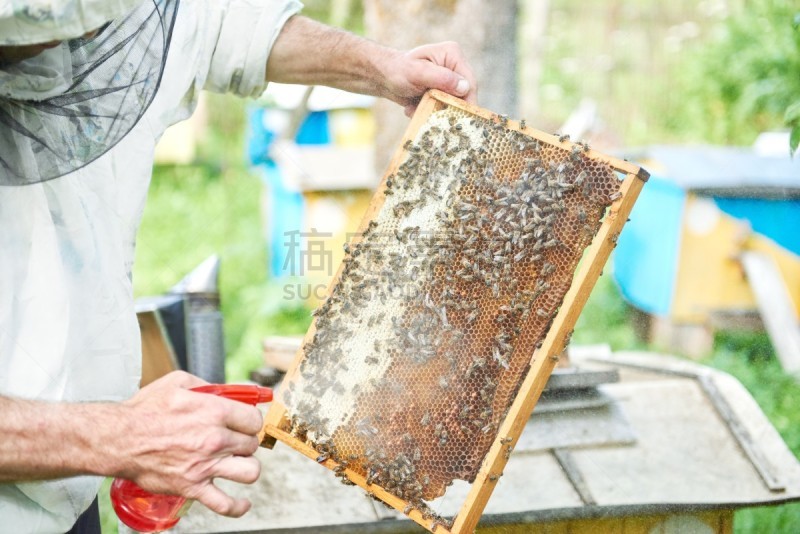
column 148, row 512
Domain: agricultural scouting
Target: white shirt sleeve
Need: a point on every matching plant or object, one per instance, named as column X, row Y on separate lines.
column 247, row 32
column 219, row 45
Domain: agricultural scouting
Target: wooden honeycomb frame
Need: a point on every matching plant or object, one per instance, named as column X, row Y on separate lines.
column 543, row 360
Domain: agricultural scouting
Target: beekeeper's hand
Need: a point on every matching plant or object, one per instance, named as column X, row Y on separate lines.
column 434, row 66
column 307, row 52
column 178, row 441
column 166, row 438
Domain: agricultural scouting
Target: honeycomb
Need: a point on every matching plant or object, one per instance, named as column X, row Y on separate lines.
column 420, row 349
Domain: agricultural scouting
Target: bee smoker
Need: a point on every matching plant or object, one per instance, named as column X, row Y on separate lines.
column 205, row 345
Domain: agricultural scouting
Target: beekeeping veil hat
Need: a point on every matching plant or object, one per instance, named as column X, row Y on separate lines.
column 67, row 106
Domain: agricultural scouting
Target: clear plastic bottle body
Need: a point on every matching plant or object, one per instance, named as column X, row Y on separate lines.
column 149, row 512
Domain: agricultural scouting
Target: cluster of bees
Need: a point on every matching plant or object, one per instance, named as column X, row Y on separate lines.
column 417, row 354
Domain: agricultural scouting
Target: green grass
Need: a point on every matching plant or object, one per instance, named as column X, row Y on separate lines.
column 606, row 318
column 213, row 207
column 108, row 519
column 750, row 358
column 194, row 212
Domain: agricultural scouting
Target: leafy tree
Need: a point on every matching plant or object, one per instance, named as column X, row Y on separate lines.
column 792, row 116
column 746, row 79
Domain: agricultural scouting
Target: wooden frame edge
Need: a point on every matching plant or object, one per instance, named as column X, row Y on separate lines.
column 619, row 164
column 543, row 360
column 392, row 500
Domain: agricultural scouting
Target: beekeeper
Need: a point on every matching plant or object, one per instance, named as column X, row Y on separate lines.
column 86, row 89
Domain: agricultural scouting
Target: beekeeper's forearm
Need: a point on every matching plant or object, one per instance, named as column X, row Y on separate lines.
column 165, row 438
column 309, row 53
column 42, row 440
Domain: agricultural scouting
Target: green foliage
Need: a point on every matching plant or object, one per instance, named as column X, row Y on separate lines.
column 751, row 359
column 196, row 211
column 326, row 10
column 675, row 72
column 264, row 312
column 199, row 210
column 187, row 219
column 607, row 318
column 108, row 519
column 792, row 116
column 745, row 79
column 792, row 119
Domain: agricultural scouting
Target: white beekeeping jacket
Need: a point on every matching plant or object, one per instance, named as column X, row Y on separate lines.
column 68, row 330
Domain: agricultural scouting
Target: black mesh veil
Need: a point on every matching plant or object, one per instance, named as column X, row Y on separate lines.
column 115, row 76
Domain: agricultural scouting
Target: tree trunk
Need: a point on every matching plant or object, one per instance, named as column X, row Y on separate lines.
column 486, row 31
column 533, row 39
